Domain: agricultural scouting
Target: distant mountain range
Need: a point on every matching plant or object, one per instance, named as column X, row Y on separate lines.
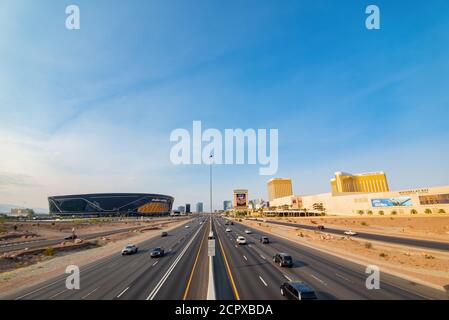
column 6, row 208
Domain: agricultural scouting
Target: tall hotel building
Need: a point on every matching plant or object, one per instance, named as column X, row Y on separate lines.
column 279, row 188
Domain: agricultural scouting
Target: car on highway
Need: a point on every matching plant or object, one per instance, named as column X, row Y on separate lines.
column 350, row 233
column 71, row 237
column 157, row 252
column 241, row 240
column 129, row 249
column 164, row 234
column 297, row 290
column 211, row 236
column 320, row 227
column 228, row 230
column 283, row 259
column 264, row 240
column 248, row 231
column 187, row 226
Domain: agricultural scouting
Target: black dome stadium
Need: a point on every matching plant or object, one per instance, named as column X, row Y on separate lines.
column 107, row 204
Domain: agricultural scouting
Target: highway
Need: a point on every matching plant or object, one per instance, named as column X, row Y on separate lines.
column 257, row 277
column 138, row 276
column 243, row 272
column 428, row 244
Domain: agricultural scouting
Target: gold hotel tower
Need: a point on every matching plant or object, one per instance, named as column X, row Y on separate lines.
column 279, row 188
column 363, row 183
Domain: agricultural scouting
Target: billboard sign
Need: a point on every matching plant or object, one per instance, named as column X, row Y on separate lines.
column 392, row 202
column 240, row 200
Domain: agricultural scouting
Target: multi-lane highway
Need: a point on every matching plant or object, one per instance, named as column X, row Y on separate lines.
column 239, row 271
column 257, row 277
column 138, row 276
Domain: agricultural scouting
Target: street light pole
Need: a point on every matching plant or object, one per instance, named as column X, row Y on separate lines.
column 210, row 184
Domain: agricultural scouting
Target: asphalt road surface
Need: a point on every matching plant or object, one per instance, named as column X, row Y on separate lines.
column 137, row 276
column 240, row 271
column 257, row 277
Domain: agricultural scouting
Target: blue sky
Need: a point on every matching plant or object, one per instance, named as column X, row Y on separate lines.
column 91, row 110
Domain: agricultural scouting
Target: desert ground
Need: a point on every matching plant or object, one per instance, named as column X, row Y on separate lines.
column 431, row 227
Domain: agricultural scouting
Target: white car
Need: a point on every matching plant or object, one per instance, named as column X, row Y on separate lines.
column 228, row 230
column 350, row 233
column 241, row 240
column 129, row 249
column 248, row 231
column 187, row 226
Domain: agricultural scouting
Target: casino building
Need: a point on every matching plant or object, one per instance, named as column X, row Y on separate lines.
column 111, row 204
column 366, row 193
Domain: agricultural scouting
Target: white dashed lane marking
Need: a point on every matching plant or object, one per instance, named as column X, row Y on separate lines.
column 263, row 281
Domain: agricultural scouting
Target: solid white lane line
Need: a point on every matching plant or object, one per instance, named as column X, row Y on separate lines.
column 263, row 281
column 122, row 292
column 245, row 258
column 318, row 279
column 287, row 277
column 155, row 263
column 169, row 271
column 55, row 295
column 344, row 278
column 89, row 293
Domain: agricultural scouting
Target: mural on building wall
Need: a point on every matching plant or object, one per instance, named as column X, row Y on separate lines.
column 392, row 202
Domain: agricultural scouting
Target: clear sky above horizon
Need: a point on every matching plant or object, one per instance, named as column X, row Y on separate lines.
column 91, row 110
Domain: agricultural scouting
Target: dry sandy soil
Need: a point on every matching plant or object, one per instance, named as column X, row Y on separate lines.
column 19, row 279
column 59, row 229
column 432, row 227
column 423, row 266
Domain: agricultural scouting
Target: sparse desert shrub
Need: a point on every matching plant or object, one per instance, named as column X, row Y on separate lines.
column 429, row 256
column 370, row 212
column 413, row 211
column 394, row 212
column 49, row 252
column 428, row 211
column 381, row 212
column 360, row 212
column 363, row 223
column 383, row 255
column 368, row 245
column 441, row 211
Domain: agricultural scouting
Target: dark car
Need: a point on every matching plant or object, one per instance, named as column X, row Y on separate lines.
column 283, row 259
column 157, row 253
column 264, row 240
column 71, row 237
column 297, row 290
column 164, row 234
column 320, row 227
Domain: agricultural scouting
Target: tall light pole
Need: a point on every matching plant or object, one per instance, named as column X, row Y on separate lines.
column 210, row 183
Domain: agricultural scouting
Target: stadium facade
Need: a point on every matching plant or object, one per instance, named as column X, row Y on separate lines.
column 111, row 204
